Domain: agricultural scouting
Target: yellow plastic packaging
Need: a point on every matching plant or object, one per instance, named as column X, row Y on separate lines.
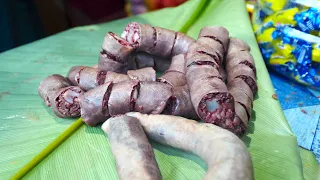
column 287, row 32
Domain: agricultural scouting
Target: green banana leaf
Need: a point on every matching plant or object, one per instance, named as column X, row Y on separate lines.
column 27, row 126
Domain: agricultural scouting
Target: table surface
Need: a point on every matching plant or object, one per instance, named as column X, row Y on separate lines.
column 301, row 106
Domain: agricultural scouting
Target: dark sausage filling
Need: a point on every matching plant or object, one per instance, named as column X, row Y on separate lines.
column 247, row 63
column 154, row 40
column 236, row 126
column 108, row 55
column 135, row 28
column 163, row 81
column 216, row 39
column 210, row 63
column 174, row 42
column 214, row 57
column 248, row 114
column 120, row 40
column 251, row 83
column 170, row 106
column 77, row 76
column 219, row 77
column 134, row 96
column 106, row 96
column 217, row 108
column 67, row 102
column 101, row 77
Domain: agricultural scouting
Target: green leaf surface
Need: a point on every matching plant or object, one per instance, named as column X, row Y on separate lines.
column 27, row 126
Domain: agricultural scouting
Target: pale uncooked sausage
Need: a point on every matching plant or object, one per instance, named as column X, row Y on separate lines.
column 133, row 153
column 226, row 155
